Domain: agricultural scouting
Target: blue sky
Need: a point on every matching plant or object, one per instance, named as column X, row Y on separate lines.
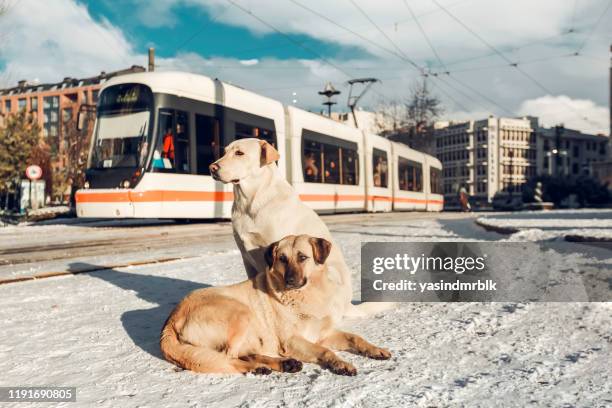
column 350, row 38
column 194, row 30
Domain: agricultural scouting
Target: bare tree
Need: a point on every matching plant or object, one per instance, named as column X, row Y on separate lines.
column 410, row 121
column 422, row 107
column 390, row 117
column 73, row 156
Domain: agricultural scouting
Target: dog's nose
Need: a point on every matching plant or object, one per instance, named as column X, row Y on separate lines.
column 290, row 280
column 213, row 168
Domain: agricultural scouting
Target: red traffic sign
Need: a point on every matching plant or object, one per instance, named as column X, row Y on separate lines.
column 33, row 172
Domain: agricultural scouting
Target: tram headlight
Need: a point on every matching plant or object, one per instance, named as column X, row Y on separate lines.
column 86, row 184
column 125, row 184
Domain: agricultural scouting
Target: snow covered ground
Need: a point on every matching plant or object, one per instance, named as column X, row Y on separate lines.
column 548, row 225
column 99, row 332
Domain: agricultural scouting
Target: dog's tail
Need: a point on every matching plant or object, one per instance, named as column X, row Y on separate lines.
column 367, row 309
column 187, row 356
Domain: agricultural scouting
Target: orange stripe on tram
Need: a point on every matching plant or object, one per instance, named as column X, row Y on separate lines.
column 216, row 196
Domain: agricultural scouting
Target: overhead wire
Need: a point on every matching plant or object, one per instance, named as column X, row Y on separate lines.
column 422, row 70
column 594, row 27
column 514, row 65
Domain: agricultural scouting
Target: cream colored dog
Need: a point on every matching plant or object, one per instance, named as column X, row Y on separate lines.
column 267, row 208
column 273, row 321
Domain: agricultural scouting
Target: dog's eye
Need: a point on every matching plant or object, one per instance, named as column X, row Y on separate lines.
column 283, row 258
column 302, row 258
column 239, row 153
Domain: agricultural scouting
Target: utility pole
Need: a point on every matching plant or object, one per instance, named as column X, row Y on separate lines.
column 557, row 150
column 511, row 171
column 151, row 59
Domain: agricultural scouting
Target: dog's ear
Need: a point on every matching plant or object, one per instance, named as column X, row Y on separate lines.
column 268, row 153
column 269, row 253
column 320, row 249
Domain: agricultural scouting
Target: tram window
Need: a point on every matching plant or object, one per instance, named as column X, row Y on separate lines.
column 380, row 168
column 312, row 161
column 350, row 167
column 410, row 175
column 329, row 160
column 172, row 152
column 208, row 142
column 435, row 179
column 244, row 131
column 181, row 144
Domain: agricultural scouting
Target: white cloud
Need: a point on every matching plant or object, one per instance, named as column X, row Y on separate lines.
column 573, row 113
column 52, row 39
column 75, row 44
column 249, row 62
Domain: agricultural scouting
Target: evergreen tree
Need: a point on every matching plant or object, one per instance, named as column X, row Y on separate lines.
column 19, row 135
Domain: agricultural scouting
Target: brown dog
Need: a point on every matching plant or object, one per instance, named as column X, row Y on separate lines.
column 273, row 321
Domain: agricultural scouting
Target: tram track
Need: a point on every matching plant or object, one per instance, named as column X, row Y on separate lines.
column 92, row 268
column 87, row 249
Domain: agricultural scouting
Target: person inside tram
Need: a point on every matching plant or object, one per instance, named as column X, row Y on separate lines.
column 403, row 183
column 164, row 159
column 168, row 145
column 331, row 172
column 311, row 171
column 380, row 172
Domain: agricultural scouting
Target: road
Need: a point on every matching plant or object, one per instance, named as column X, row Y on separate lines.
column 99, row 330
column 52, row 248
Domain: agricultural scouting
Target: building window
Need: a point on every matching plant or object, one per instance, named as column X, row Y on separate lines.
column 34, row 104
column 410, row 175
column 66, row 115
column 380, row 168
column 51, row 115
column 329, row 160
column 94, row 96
column 7, row 105
column 22, row 103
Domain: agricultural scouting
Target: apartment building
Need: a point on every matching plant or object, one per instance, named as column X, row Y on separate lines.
column 54, row 106
column 502, row 154
column 569, row 152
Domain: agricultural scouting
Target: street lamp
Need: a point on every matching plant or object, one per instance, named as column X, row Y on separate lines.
column 329, row 92
column 511, row 186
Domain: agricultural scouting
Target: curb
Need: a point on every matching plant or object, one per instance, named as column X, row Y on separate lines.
column 494, row 228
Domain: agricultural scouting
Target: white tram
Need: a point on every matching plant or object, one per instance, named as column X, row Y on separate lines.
column 157, row 132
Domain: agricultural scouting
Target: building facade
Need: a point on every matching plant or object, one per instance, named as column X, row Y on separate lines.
column 496, row 155
column 54, row 106
column 569, row 152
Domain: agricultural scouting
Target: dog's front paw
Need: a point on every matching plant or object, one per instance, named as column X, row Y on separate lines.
column 342, row 368
column 262, row 371
column 379, row 354
column 291, row 365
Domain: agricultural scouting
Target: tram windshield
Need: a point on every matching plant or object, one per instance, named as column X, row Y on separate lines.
column 122, row 134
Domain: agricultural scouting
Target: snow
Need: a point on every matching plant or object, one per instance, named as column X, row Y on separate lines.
column 551, row 225
column 99, row 332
